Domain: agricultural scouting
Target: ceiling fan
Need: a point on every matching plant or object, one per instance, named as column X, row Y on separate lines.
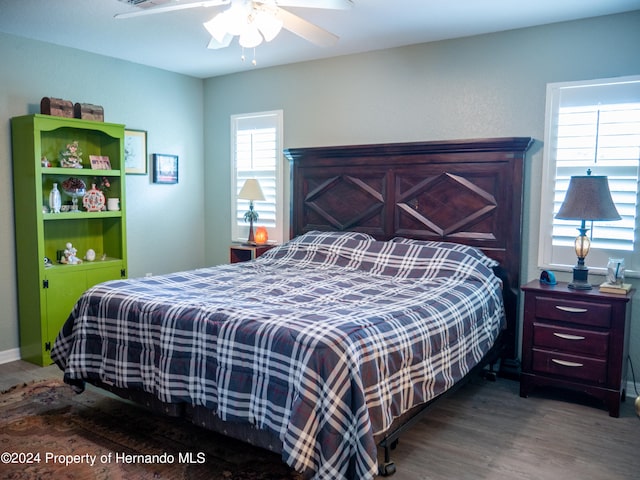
column 252, row 20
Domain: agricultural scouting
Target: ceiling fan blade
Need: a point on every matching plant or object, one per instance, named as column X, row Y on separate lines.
column 172, row 8
column 215, row 45
column 325, row 4
column 306, row 30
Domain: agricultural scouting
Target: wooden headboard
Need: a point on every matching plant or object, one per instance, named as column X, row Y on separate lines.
column 467, row 191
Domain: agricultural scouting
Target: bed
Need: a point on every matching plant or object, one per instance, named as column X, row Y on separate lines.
column 321, row 349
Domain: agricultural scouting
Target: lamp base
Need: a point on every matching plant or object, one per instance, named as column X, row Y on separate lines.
column 580, row 279
column 250, row 240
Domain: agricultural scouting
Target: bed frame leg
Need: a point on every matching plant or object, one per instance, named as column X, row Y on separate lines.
column 490, row 374
column 388, row 468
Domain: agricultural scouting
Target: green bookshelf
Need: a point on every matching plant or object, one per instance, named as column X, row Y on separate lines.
column 47, row 293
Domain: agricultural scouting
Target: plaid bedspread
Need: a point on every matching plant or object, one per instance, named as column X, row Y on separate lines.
column 323, row 340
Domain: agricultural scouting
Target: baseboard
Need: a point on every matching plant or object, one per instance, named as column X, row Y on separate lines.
column 12, row 355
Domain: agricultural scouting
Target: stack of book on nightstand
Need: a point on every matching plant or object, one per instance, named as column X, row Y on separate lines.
column 622, row 289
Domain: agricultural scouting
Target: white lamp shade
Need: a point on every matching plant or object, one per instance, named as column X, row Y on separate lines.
column 268, row 24
column 251, row 190
column 250, row 36
column 252, row 22
column 217, row 28
column 236, row 18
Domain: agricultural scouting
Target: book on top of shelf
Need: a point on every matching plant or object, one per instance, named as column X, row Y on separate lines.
column 607, row 287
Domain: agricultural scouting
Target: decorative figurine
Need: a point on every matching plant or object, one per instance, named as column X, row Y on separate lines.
column 70, row 158
column 70, row 255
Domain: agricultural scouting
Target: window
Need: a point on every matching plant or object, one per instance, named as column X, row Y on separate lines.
column 592, row 125
column 256, row 146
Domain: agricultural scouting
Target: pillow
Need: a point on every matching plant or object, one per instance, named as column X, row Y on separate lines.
column 321, row 246
column 459, row 247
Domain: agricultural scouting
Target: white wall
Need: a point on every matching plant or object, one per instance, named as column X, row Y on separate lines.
column 165, row 222
column 485, row 86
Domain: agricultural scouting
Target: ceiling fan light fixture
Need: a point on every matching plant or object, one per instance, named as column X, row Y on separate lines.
column 268, row 23
column 268, row 17
column 217, row 28
column 250, row 36
column 235, row 18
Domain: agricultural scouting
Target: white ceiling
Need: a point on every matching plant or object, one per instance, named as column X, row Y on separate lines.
column 177, row 41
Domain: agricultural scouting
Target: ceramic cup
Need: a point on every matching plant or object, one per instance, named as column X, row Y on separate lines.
column 113, row 204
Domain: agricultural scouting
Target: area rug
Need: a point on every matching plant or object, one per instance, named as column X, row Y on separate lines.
column 49, row 432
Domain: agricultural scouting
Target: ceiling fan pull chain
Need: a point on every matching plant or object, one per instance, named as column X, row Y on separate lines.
column 242, row 56
column 254, row 62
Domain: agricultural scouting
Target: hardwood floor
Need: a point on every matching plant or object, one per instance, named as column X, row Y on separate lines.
column 15, row 373
column 486, row 431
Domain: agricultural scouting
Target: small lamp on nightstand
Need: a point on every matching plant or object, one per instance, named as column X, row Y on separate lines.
column 251, row 191
column 261, row 236
column 588, row 199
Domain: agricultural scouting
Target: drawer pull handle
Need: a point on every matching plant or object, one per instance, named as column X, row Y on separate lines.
column 564, row 363
column 571, row 309
column 566, row 336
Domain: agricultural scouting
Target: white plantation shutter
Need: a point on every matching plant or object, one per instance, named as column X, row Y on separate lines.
column 592, row 126
column 257, row 153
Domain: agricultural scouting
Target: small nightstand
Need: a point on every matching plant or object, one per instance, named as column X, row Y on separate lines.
column 244, row 253
column 576, row 339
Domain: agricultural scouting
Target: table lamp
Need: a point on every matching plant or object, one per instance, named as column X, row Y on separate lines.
column 251, row 191
column 588, row 198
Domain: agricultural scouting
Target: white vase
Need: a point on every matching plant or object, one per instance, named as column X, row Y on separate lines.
column 113, row 204
column 55, row 200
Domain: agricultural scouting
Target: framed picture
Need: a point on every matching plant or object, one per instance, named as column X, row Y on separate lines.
column 135, row 152
column 100, row 162
column 165, row 168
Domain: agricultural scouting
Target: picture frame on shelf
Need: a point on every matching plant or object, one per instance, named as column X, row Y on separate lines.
column 135, row 151
column 165, row 168
column 100, row 162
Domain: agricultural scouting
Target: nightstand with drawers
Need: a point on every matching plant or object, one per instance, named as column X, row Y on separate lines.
column 576, row 339
column 244, row 253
